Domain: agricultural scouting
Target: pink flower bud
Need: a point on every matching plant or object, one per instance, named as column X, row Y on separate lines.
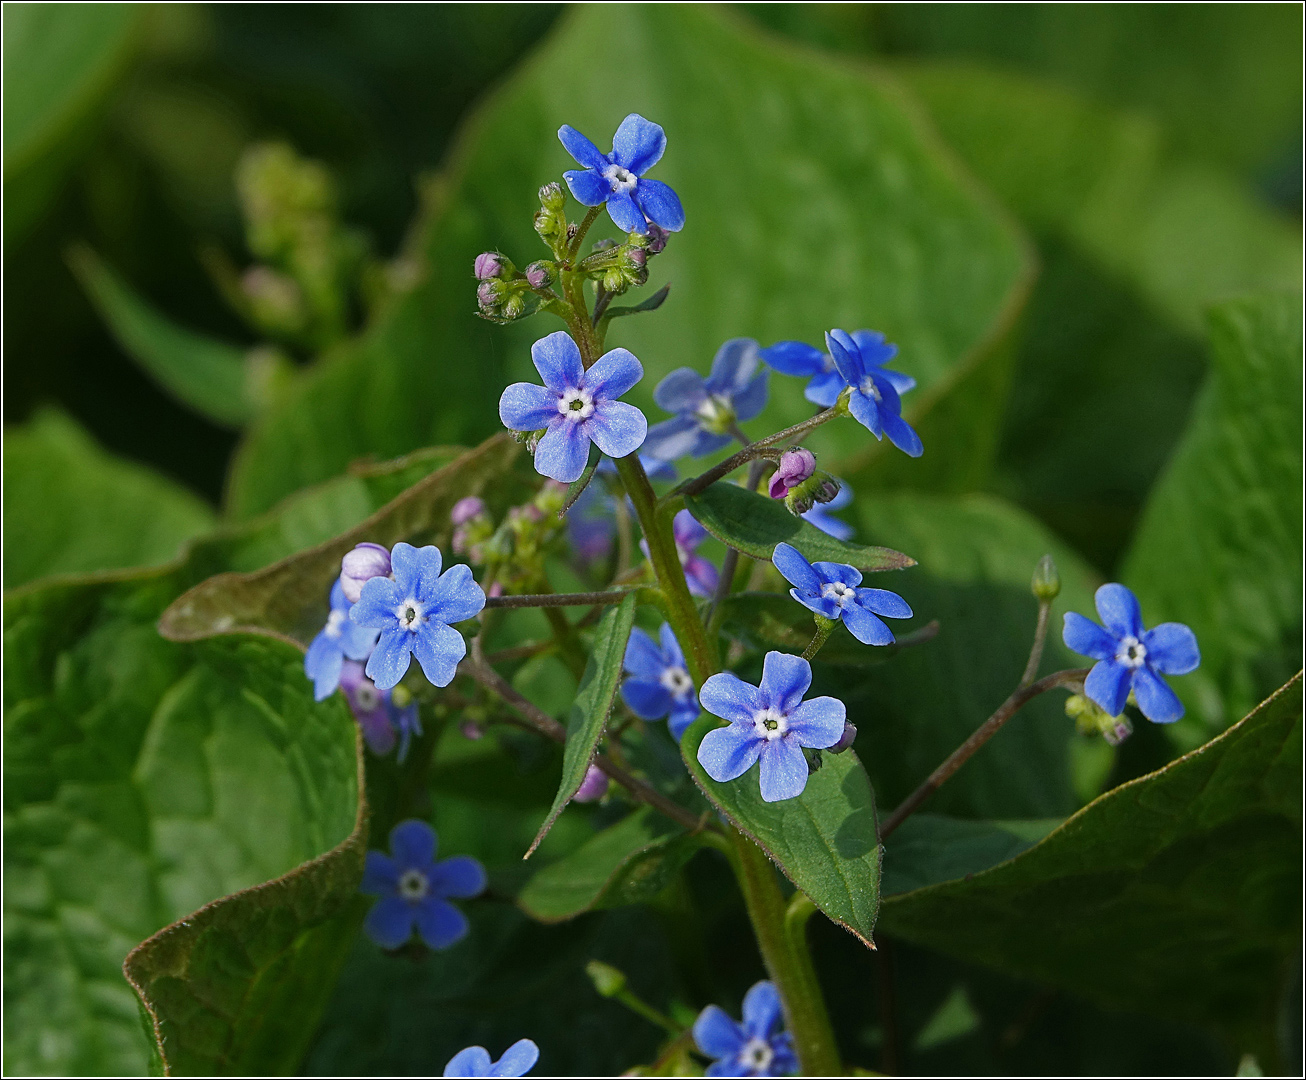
column 657, row 238
column 538, row 275
column 846, row 739
column 593, row 787
column 795, row 467
column 360, row 566
column 465, row 509
column 488, row 266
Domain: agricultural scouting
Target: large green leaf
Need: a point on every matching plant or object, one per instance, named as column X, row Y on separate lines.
column 927, row 848
column 814, row 199
column 1176, row 894
column 1220, row 543
column 594, row 698
column 825, row 840
column 754, row 524
column 70, row 507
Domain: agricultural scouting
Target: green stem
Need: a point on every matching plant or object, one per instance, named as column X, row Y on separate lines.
column 823, row 628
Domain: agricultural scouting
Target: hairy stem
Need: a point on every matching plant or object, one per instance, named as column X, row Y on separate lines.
column 823, row 628
column 1036, row 649
column 590, row 217
column 542, row 600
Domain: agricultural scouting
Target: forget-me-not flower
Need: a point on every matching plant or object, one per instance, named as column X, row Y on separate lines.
column 517, row 1060
column 618, row 178
column 659, row 683
column 340, row 638
column 771, row 722
column 757, row 1047
column 575, row 406
column 826, row 384
column 820, row 516
column 413, row 611
column 832, row 589
column 1129, row 657
column 708, row 411
column 414, row 889
column 873, row 400
column 381, row 720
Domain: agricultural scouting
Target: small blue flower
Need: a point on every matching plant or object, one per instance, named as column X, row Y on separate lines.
column 757, row 1047
column 831, row 589
column 575, row 406
column 659, row 684
column 338, row 639
column 799, row 358
column 377, row 714
column 414, row 889
column 413, row 611
column 708, row 410
column 1130, row 657
column 820, row 516
column 618, row 178
column 771, row 722
column 700, row 574
column 874, row 400
column 517, row 1060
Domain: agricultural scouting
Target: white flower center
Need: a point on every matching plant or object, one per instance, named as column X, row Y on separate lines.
column 367, row 697
column 413, row 885
column 756, row 1055
column 770, row 724
column 336, row 622
column 841, row 594
column 677, row 681
column 1131, row 652
column 576, row 405
column 409, row 614
column 619, row 178
column 717, row 414
column 867, row 386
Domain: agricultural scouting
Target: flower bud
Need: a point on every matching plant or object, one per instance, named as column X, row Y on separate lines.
column 1091, row 719
column 634, row 258
column 819, row 487
column 846, row 739
column 514, row 307
column 548, row 223
column 593, row 787
column 614, row 281
column 608, row 981
column 488, row 295
column 828, row 489
column 360, row 566
column 540, row 275
column 657, row 239
column 1047, row 582
column 490, row 265
column 795, row 466
column 552, row 197
column 471, row 729
column 465, row 509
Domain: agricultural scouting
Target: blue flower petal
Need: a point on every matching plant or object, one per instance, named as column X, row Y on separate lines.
column 427, row 562
column 671, row 650
column 846, row 356
column 783, row 773
column 866, row 627
column 1155, row 699
column 762, row 1009
column 795, row 358
column 701, row 575
column 1172, row 649
column 1117, row 607
column 517, row 1060
column 439, row 923
column 376, row 604
column 461, row 876
column 380, row 875
column 625, row 214
column 413, row 844
column 406, row 563
column 836, row 571
column 874, row 350
column 728, row 752
column 1108, row 685
column 883, row 602
column 525, row 406
column 660, row 204
column 557, row 358
column 647, row 700
column 616, row 427
column 795, row 569
column 818, row 722
column 474, row 1061
column 820, row 517
column 752, row 399
column 1085, row 637
column 438, row 649
column 643, row 658
column 716, row 1035
column 613, row 373
column 824, row 390
column 323, row 663
column 902, row 434
column 730, row 1066
column 638, row 144
column 866, row 411
column 580, row 148
column 681, row 391
column 563, row 451
column 733, row 366
column 390, row 922
column 900, row 382
column 588, row 186
column 785, row 680
column 389, row 660
column 822, row 605
column 357, row 642
column 681, row 717
column 672, row 439
column 456, row 595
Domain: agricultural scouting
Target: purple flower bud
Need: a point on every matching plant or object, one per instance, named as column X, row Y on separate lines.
column 637, row 257
column 827, row 491
column 593, row 787
column 466, row 509
column 846, row 739
column 539, row 274
column 488, row 266
column 795, row 467
column 657, row 239
column 471, row 729
column 360, row 566
column 487, row 295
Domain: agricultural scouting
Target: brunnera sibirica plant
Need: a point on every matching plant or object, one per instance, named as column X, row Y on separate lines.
column 768, row 773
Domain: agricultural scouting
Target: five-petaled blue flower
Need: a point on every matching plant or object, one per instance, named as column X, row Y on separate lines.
column 708, row 410
column 517, row 1060
column 659, row 684
column 757, row 1047
column 826, row 384
column 770, row 721
column 413, row 612
column 820, row 516
column 575, row 406
column 874, row 400
column 832, row 589
column 1130, row 657
column 618, row 178
column 340, row 638
column 414, row 889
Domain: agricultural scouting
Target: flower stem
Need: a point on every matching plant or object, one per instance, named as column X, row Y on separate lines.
column 1036, row 649
column 579, row 599
column 823, row 628
column 754, row 450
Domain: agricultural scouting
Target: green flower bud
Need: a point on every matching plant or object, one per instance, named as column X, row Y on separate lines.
column 1047, row 582
column 553, row 198
column 608, row 981
column 1091, row 719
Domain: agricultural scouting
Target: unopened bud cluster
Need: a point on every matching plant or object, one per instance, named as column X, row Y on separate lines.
column 1091, row 719
column 513, row 552
column 800, row 483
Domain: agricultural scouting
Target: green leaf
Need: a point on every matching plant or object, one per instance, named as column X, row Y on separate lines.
column 144, row 779
column 70, row 507
column 928, row 848
column 1219, row 546
column 825, row 840
column 214, row 378
column 1176, row 894
column 936, row 267
column 594, row 698
column 754, row 524
column 626, row 863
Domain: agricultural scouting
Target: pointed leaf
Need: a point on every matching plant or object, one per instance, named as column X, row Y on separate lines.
column 928, row 848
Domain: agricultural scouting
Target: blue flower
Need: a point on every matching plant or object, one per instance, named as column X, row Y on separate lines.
column 708, row 410
column 757, row 1047
column 1130, row 657
column 413, row 612
column 338, row 639
column 517, row 1060
column 575, row 406
column 874, row 400
column 799, row 358
column 820, row 516
column 831, row 589
column 618, row 178
column 771, row 722
column 659, row 684
column 700, row 574
column 414, row 889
